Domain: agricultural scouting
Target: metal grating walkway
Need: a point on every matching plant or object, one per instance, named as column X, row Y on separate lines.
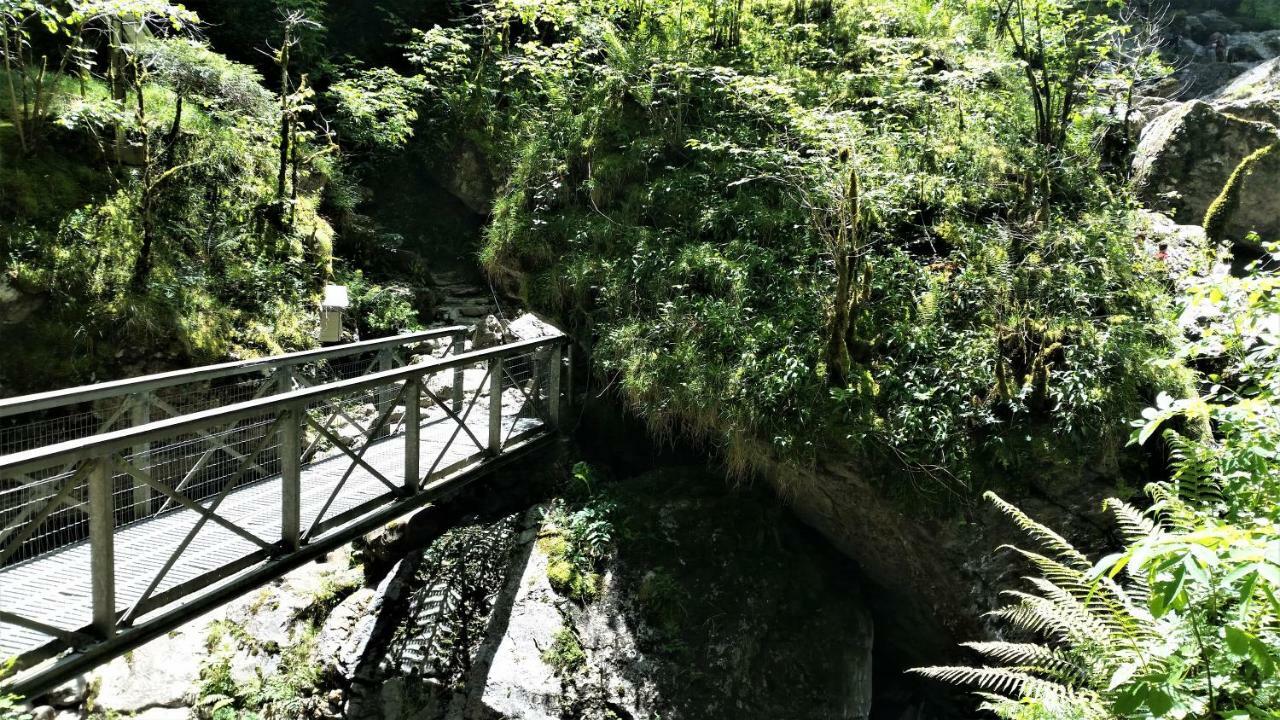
column 55, row 588
column 110, row 539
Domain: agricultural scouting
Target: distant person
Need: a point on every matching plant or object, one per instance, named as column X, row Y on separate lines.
column 1218, row 45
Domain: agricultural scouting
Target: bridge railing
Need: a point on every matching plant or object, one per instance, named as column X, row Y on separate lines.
column 233, row 486
column 32, row 421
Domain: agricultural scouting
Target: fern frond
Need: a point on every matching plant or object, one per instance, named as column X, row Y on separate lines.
column 998, row 680
column 1134, row 525
column 1045, row 661
column 1050, row 540
column 1084, row 623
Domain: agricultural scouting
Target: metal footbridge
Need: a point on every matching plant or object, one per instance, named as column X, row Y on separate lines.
column 129, row 507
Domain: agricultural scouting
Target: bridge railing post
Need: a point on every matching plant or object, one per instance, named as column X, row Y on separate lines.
column 459, row 347
column 567, row 406
column 102, row 562
column 291, row 476
column 412, row 428
column 139, row 415
column 554, row 369
column 284, row 379
column 495, row 405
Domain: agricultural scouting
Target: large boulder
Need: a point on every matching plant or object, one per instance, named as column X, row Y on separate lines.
column 1254, row 46
column 16, row 305
column 1254, row 95
column 1250, row 203
column 1186, row 156
column 464, row 172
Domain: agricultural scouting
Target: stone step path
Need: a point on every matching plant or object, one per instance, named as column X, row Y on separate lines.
column 462, row 300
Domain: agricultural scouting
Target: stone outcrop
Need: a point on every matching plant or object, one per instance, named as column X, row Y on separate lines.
column 1249, row 206
column 1199, row 124
column 1186, row 156
column 1254, row 95
column 16, row 305
column 464, row 172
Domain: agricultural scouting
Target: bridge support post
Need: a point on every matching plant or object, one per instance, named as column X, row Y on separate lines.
column 291, row 477
column 495, row 406
column 284, row 379
column 384, row 398
column 568, row 380
column 554, row 370
column 139, row 415
column 412, row 428
column 102, row 557
column 459, row 347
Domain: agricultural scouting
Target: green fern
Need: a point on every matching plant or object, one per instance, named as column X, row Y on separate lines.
column 1091, row 626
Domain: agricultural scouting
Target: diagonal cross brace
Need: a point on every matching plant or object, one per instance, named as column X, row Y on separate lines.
column 461, row 423
column 358, row 458
column 146, row 479
column 244, row 468
column 32, row 524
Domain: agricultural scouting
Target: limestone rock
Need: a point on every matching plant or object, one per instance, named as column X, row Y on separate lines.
column 464, row 172
column 1186, row 156
column 518, row 683
column 1254, row 46
column 488, row 333
column 164, row 713
column 1254, row 95
column 345, row 633
column 69, row 694
column 16, row 305
column 1257, row 207
column 529, row 326
column 1198, row 78
column 1184, row 248
column 699, row 615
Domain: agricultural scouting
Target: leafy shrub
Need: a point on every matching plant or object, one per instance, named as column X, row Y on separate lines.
column 577, row 541
column 10, row 704
column 679, row 212
column 1193, row 631
column 378, row 310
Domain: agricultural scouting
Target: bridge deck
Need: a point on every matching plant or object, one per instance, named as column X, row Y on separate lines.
column 55, row 588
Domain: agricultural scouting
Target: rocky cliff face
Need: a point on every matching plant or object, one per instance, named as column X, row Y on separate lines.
column 712, row 603
column 1201, row 124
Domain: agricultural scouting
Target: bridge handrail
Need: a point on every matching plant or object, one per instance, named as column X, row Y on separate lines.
column 69, row 396
column 116, row 440
column 402, row 436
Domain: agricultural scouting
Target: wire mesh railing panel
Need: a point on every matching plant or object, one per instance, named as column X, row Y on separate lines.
column 147, row 400
column 352, row 451
column 42, row 510
column 526, row 384
column 33, row 430
column 196, row 466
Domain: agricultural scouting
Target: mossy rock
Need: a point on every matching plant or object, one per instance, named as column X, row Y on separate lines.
column 1187, row 156
column 1248, row 202
column 565, row 655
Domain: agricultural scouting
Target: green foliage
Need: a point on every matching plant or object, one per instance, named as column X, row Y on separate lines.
column 1193, row 631
column 220, row 695
column 577, row 541
column 565, row 655
column 662, row 600
column 673, row 196
column 1267, row 14
column 185, row 203
column 10, row 704
column 378, row 310
column 377, row 107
